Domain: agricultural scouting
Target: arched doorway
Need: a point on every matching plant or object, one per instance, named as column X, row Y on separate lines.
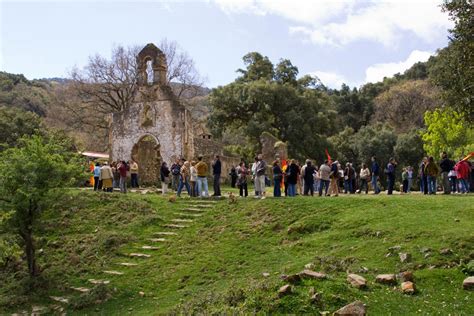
column 146, row 152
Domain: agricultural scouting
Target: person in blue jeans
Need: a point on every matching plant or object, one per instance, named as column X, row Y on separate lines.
column 185, row 178
column 392, row 164
column 375, row 175
column 292, row 176
column 431, row 171
column 277, row 176
column 97, row 185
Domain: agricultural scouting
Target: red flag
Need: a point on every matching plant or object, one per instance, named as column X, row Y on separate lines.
column 327, row 154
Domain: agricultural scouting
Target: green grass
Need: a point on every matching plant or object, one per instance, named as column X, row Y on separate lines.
column 216, row 265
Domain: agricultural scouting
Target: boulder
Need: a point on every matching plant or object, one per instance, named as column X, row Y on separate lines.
column 284, row 290
column 309, row 274
column 445, row 252
column 356, row 308
column 468, row 283
column 407, row 276
column 386, row 279
column 292, row 279
column 357, row 281
column 266, row 274
column 408, row 287
column 404, row 257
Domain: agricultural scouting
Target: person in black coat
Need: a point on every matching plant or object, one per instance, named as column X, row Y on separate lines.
column 216, row 171
column 309, row 178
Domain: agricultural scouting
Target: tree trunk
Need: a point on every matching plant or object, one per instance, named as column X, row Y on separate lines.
column 30, row 254
column 26, row 232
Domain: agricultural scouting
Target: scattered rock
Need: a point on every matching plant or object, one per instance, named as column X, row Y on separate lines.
column 407, row 276
column 408, row 287
column 389, row 254
column 386, row 279
column 395, row 248
column 356, row 308
column 80, row 289
column 357, row 281
column 38, row 310
column 445, row 252
column 427, row 255
column 468, row 283
column 157, row 239
column 285, row 290
column 312, row 275
column 60, row 299
column 425, row 250
column 363, row 270
column 293, row 279
column 309, row 266
column 266, row 274
column 139, row 255
column 113, row 272
column 404, row 257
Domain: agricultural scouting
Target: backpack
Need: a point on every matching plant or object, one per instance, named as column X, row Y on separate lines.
column 175, row 170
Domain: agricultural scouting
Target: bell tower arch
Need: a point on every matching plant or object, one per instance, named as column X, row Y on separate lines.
column 152, row 66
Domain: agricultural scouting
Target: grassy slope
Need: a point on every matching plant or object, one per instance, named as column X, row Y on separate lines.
column 216, row 265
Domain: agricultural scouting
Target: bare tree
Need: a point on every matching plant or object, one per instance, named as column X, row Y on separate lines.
column 108, row 85
column 182, row 74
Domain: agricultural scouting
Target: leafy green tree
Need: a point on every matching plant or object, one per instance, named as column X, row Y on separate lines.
column 409, row 149
column 30, row 175
column 257, row 67
column 354, row 108
column 447, row 130
column 454, row 71
column 15, row 123
column 285, row 72
column 292, row 110
column 404, row 104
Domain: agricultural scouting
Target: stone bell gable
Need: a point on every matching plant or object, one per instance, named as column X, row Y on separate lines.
column 156, row 127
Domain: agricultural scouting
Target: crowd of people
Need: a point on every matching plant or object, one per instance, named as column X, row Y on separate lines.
column 291, row 178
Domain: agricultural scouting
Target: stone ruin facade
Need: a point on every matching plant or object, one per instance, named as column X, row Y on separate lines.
column 157, row 127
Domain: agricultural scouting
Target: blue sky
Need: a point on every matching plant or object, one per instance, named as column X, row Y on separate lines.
column 347, row 41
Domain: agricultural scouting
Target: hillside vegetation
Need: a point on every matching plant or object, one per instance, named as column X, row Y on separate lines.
column 230, row 257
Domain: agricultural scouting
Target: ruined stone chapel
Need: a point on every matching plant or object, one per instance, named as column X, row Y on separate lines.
column 157, row 127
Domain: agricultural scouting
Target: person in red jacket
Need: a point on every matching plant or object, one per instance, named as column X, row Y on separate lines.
column 462, row 169
column 123, row 168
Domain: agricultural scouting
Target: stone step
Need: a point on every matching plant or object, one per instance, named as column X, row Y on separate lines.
column 193, row 209
column 158, row 240
column 94, row 281
column 139, row 255
column 165, row 233
column 113, row 272
column 187, row 214
column 81, row 289
column 201, row 205
column 150, row 247
column 127, row 264
column 60, row 299
column 175, row 226
column 181, row 220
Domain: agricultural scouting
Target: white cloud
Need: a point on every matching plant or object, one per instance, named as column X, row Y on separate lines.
column 306, row 11
column 330, row 79
column 379, row 21
column 377, row 72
